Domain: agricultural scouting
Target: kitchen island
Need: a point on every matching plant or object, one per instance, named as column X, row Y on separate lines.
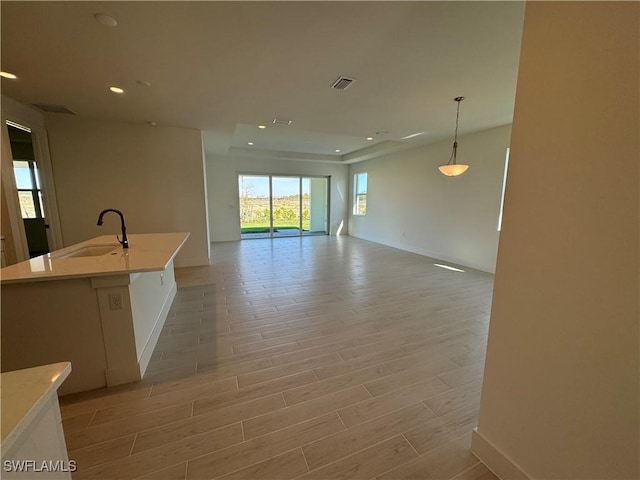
column 94, row 304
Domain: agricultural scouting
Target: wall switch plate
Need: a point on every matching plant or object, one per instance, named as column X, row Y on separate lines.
column 115, row 301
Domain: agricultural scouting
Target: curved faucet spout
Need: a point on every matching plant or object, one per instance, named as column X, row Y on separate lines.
column 124, row 242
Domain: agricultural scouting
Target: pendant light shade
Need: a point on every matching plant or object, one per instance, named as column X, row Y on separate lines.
column 453, row 170
column 452, row 167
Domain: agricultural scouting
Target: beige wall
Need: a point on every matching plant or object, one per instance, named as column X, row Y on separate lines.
column 412, row 206
column 155, row 175
column 560, row 396
column 222, row 185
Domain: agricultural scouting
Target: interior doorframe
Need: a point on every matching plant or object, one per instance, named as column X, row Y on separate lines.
column 34, row 120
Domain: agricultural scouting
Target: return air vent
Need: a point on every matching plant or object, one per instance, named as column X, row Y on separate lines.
column 53, row 108
column 342, row 83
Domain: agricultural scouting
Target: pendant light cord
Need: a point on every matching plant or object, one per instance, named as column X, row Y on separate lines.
column 454, row 152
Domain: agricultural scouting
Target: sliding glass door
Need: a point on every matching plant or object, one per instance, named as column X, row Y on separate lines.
column 283, row 206
column 285, row 200
column 255, row 206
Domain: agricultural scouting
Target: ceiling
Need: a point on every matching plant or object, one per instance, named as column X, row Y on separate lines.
column 227, row 67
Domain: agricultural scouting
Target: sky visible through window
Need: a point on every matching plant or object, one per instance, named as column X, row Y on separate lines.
column 23, row 175
column 282, row 186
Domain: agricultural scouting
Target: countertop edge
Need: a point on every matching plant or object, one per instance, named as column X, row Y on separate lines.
column 35, row 409
column 83, row 274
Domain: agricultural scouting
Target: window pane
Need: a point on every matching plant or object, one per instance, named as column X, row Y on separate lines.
column 286, row 206
column 22, row 174
column 360, row 194
column 306, row 197
column 361, row 183
column 361, row 204
column 27, row 207
column 255, row 208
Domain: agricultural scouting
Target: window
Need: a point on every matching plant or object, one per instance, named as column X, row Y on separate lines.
column 360, row 194
column 29, row 193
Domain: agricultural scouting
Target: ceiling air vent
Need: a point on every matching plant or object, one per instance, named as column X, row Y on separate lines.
column 342, row 83
column 281, row 121
column 53, row 108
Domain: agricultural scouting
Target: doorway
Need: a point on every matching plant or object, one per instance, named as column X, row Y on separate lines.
column 29, row 187
column 283, row 206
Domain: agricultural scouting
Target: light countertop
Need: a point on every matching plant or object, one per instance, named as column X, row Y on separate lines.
column 147, row 252
column 24, row 393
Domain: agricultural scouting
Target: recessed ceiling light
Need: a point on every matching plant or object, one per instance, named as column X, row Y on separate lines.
column 105, row 20
column 8, row 75
column 143, row 83
column 262, row 126
column 249, row 143
column 116, row 89
column 152, row 124
column 369, row 138
column 337, row 151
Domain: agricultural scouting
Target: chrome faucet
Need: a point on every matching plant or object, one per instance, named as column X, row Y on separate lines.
column 124, row 242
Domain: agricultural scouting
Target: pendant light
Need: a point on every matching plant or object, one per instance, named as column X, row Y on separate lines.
column 452, row 168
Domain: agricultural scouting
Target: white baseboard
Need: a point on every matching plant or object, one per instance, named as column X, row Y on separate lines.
column 494, row 459
column 147, row 351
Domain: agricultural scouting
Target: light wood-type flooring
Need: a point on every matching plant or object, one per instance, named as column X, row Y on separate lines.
column 300, row 358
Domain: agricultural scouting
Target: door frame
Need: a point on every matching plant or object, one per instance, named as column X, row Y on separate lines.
column 34, row 120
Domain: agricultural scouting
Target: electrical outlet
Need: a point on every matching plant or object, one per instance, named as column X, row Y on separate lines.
column 115, row 301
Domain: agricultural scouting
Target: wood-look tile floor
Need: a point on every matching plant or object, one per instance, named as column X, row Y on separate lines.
column 309, row 358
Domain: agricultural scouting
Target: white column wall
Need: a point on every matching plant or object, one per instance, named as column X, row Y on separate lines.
column 560, row 398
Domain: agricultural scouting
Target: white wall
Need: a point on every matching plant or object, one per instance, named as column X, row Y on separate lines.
column 412, row 206
column 222, row 185
column 154, row 175
column 561, row 388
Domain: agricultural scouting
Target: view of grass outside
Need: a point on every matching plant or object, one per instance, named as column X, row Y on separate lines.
column 289, row 205
column 254, row 213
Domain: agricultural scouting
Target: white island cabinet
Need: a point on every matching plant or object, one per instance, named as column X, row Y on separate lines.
column 94, row 304
column 33, row 445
